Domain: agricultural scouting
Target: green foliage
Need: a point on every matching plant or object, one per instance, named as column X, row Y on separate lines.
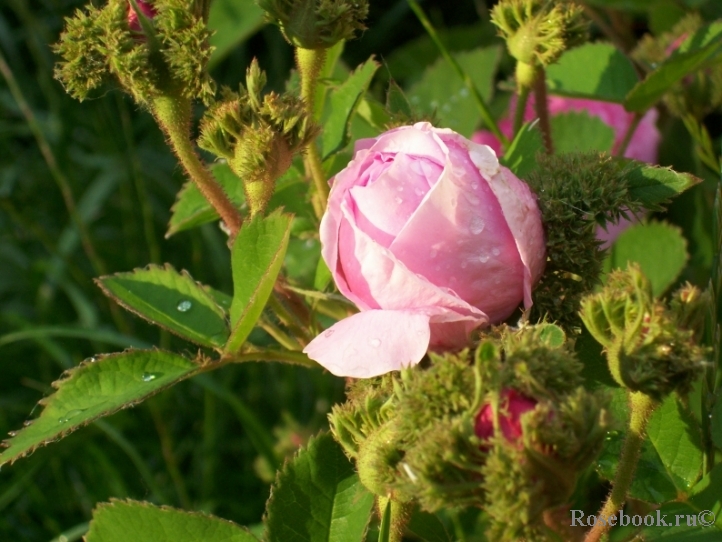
column 566, row 128
column 96, row 388
column 317, row 496
column 171, row 300
column 597, row 71
column 119, row 521
column 342, row 106
column 256, row 259
column 658, row 248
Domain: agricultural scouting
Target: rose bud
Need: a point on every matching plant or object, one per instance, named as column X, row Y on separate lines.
column 431, row 238
column 511, row 406
column 146, row 8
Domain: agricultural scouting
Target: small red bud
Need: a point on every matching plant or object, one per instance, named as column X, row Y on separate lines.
column 146, row 8
column 511, row 407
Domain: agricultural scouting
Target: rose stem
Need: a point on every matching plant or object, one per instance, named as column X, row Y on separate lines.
column 173, row 115
column 542, row 108
column 310, row 62
column 521, row 101
column 489, row 121
column 641, row 407
column 628, row 135
column 400, row 514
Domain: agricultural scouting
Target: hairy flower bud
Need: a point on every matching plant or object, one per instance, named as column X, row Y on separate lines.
column 316, row 24
column 147, row 10
column 511, row 407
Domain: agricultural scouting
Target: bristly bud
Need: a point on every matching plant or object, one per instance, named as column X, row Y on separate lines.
column 650, row 348
column 449, row 434
column 690, row 305
column 153, row 49
column 258, row 135
column 316, row 24
column 537, row 32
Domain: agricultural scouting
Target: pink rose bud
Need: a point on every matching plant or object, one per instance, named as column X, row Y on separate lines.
column 431, row 238
column 146, row 8
column 511, row 406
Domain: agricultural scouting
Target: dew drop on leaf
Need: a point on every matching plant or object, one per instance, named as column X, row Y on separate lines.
column 184, row 305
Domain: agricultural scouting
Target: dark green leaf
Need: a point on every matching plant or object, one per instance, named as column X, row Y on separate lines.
column 659, row 249
column 716, row 421
column 683, row 525
column 97, row 388
column 256, row 259
column 317, row 497
column 171, row 300
column 385, row 526
column 596, row 70
column 342, row 105
column 579, row 132
column 653, row 185
column 125, row 521
column 232, row 21
column 675, row 435
column 427, row 527
column 691, row 56
column 595, row 369
column 520, row 157
column 191, row 209
column 441, row 90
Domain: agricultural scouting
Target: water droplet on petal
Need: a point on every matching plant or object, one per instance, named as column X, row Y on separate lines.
column 434, row 253
column 453, row 202
column 184, row 305
column 472, row 199
column 398, row 200
column 328, row 332
column 400, row 188
column 375, row 342
column 474, row 185
column 495, row 251
column 483, row 257
column 476, row 225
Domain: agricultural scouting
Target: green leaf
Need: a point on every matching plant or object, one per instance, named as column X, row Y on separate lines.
column 675, row 435
column 596, row 70
column 595, row 369
column 171, row 300
column 654, row 185
column 97, row 388
column 579, row 132
column 342, row 105
column 441, row 90
column 716, row 421
column 692, row 55
column 659, row 249
column 232, row 22
column 520, row 157
column 317, row 497
column 323, row 276
column 651, row 482
column 682, row 525
column 123, row 521
column 192, row 209
column 385, row 526
column 427, row 527
column 256, row 259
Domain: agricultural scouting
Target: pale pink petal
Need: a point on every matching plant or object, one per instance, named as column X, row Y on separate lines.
column 524, row 219
column 471, row 249
column 372, row 343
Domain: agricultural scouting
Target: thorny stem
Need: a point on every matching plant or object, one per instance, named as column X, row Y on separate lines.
column 641, row 407
column 468, row 83
column 309, row 63
column 542, row 109
column 173, row 115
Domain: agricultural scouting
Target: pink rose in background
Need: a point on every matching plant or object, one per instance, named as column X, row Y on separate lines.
column 643, row 146
column 511, row 407
column 146, row 8
column 430, row 237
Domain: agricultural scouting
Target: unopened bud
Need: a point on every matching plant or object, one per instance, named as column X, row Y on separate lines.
column 146, row 8
column 511, row 407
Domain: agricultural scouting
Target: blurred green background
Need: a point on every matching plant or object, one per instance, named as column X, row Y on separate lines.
column 86, row 189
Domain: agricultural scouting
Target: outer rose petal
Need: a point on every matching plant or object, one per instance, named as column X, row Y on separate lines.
column 372, row 343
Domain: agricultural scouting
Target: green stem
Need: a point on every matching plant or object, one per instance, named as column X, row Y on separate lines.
column 395, row 523
column 173, row 115
column 521, row 101
column 484, row 112
column 641, row 407
column 628, row 135
column 542, row 109
column 309, row 63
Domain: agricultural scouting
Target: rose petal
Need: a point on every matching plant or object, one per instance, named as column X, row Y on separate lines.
column 372, row 343
column 484, row 270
